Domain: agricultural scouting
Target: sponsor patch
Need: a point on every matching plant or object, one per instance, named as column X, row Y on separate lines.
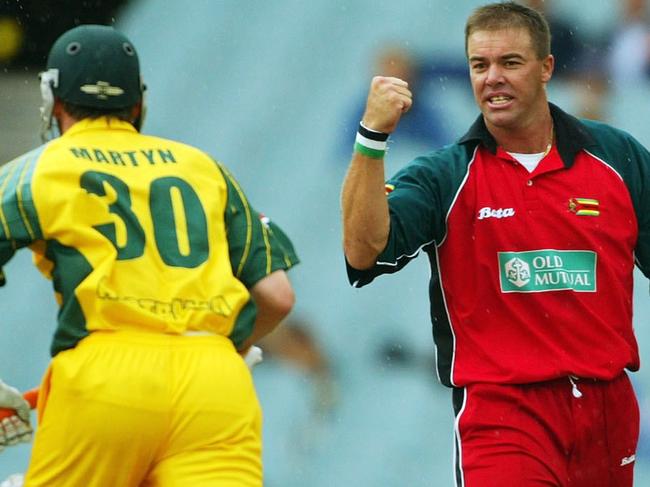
column 487, row 212
column 547, row 270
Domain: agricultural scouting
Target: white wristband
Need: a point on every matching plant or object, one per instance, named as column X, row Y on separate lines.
column 371, row 144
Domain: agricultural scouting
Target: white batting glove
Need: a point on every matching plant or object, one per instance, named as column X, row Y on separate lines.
column 16, row 428
column 253, row 356
column 10, row 397
column 15, row 480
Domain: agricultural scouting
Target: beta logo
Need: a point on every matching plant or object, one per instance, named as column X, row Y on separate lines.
column 487, row 212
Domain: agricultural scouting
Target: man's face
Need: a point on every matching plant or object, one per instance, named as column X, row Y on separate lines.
column 507, row 79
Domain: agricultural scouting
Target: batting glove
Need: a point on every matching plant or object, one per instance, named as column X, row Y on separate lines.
column 15, row 480
column 11, row 398
column 253, row 356
column 16, row 428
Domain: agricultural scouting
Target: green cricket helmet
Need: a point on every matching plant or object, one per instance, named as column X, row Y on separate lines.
column 91, row 66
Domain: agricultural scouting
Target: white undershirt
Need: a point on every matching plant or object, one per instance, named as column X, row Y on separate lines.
column 529, row 161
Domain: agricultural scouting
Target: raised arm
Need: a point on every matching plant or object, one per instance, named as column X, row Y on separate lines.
column 366, row 221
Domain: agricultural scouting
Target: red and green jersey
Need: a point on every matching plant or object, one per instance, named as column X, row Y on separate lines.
column 137, row 232
column 531, row 273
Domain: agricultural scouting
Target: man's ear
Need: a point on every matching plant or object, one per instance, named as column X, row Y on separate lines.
column 57, row 109
column 547, row 68
column 137, row 110
column 138, row 113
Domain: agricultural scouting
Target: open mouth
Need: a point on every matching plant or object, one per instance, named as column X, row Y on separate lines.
column 499, row 100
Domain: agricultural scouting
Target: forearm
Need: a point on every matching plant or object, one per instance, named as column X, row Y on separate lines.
column 265, row 322
column 274, row 299
column 366, row 220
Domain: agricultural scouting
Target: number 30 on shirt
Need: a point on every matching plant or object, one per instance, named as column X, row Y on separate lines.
column 178, row 249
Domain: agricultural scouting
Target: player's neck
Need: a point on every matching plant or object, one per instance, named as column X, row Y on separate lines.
column 64, row 119
column 533, row 139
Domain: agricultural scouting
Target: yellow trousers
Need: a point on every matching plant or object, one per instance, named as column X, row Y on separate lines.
column 143, row 409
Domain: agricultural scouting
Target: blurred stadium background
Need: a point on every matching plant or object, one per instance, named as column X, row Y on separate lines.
column 267, row 88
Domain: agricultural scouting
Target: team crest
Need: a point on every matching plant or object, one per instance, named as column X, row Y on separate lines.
column 103, row 89
column 584, row 206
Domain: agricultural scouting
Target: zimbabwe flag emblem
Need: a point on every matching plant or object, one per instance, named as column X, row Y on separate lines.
column 584, row 206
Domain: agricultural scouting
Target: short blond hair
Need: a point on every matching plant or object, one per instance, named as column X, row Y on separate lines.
column 503, row 15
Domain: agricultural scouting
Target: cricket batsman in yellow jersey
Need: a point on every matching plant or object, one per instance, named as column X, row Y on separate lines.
column 163, row 273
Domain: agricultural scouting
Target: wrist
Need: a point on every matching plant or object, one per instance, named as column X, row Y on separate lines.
column 371, row 143
column 372, row 133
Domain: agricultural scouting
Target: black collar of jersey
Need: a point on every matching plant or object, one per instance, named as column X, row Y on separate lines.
column 571, row 135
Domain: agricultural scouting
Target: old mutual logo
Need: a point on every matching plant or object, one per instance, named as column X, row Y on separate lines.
column 517, row 272
column 547, row 270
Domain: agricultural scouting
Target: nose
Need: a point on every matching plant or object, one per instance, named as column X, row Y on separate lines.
column 494, row 75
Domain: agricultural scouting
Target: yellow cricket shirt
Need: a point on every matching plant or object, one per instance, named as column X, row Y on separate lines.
column 137, row 232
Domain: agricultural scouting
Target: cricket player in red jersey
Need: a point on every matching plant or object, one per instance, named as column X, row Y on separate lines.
column 533, row 222
column 163, row 272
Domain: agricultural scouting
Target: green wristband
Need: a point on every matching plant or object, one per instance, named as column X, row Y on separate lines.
column 367, row 151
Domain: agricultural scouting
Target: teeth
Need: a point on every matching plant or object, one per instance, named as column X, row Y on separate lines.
column 499, row 99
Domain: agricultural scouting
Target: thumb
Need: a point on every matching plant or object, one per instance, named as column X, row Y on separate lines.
column 23, row 410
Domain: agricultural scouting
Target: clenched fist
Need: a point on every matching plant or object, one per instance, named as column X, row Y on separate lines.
column 388, row 99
